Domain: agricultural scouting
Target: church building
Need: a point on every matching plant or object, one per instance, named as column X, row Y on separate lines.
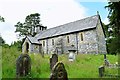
column 86, row 35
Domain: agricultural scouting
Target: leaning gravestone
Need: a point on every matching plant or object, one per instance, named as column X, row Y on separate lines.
column 53, row 60
column 59, row 72
column 23, row 65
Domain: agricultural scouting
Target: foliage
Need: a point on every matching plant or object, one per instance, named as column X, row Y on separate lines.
column 2, row 41
column 114, row 18
column 17, row 44
column 9, row 56
column 82, row 67
column 2, row 19
column 28, row 27
column 106, row 30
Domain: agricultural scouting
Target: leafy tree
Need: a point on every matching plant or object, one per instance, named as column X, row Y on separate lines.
column 28, row 27
column 106, row 30
column 17, row 44
column 2, row 41
column 114, row 18
column 2, row 19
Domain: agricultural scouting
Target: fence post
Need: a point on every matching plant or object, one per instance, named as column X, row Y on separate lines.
column 101, row 71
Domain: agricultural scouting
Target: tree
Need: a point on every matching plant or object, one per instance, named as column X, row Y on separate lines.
column 114, row 18
column 2, row 19
column 17, row 44
column 28, row 27
column 2, row 41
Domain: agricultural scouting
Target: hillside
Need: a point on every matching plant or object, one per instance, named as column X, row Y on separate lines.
column 85, row 65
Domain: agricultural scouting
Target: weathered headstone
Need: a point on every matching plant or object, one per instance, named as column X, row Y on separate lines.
column 72, row 51
column 59, row 72
column 107, row 63
column 53, row 60
column 23, row 65
column 101, row 71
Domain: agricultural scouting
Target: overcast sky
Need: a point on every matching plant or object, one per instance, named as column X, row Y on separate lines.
column 53, row 13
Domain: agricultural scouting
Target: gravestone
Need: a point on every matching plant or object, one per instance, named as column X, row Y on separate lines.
column 23, row 65
column 107, row 63
column 72, row 51
column 53, row 60
column 101, row 71
column 59, row 72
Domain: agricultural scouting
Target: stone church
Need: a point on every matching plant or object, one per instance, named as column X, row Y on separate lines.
column 86, row 35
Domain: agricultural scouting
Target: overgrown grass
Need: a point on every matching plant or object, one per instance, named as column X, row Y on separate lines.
column 9, row 56
column 85, row 65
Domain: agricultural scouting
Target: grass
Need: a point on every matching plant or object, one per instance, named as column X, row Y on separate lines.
column 85, row 65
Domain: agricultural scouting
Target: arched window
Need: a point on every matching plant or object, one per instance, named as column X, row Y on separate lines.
column 52, row 41
column 68, row 40
column 81, row 36
column 43, row 43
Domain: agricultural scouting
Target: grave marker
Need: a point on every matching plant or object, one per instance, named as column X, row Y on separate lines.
column 72, row 51
column 23, row 65
column 59, row 72
column 101, row 71
column 53, row 60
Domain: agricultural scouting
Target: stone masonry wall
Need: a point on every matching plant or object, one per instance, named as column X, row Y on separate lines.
column 32, row 47
column 89, row 43
column 101, row 39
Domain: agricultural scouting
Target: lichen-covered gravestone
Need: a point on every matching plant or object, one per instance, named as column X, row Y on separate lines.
column 53, row 60
column 23, row 65
column 59, row 72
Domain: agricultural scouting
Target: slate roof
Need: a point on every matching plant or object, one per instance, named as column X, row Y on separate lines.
column 33, row 40
column 79, row 25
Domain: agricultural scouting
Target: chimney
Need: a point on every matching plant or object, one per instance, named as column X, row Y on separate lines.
column 40, row 28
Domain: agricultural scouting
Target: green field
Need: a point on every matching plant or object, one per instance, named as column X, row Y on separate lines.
column 85, row 65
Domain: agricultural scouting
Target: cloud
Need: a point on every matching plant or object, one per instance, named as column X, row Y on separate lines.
column 53, row 13
column 7, row 32
column 106, row 21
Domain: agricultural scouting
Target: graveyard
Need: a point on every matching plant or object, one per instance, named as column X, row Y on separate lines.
column 84, row 66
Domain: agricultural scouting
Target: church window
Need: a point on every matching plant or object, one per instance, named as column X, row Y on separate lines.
column 68, row 40
column 52, row 41
column 43, row 43
column 81, row 36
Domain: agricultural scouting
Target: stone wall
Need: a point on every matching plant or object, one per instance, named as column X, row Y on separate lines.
column 36, row 48
column 33, row 48
column 44, row 47
column 88, row 45
column 24, row 46
column 90, row 41
column 72, row 41
column 101, row 39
